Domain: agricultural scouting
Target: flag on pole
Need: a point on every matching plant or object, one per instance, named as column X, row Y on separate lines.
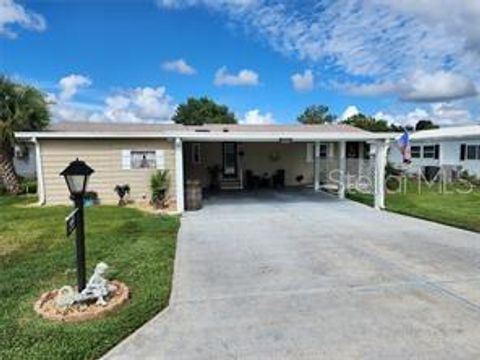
column 404, row 145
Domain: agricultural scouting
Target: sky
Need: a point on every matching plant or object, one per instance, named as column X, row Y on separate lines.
column 135, row 61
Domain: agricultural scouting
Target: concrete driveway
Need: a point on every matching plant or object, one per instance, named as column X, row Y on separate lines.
column 306, row 276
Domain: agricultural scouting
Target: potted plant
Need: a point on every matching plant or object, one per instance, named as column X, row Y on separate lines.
column 90, row 198
column 122, row 191
column 159, row 183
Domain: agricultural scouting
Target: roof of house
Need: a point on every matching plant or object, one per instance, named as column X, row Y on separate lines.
column 212, row 132
column 448, row 133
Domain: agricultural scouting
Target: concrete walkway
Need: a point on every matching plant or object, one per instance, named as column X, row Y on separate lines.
column 304, row 276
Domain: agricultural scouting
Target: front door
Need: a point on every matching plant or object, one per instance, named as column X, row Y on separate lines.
column 230, row 161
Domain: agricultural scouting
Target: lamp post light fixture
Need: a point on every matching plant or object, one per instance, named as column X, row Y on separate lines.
column 76, row 176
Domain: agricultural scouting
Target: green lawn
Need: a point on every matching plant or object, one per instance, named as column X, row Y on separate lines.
column 35, row 256
column 452, row 208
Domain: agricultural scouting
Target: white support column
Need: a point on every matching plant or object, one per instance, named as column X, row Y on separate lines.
column 179, row 174
column 316, row 167
column 380, row 162
column 342, row 160
column 39, row 170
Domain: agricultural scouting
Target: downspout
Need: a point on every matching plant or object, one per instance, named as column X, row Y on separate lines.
column 40, row 179
column 179, row 174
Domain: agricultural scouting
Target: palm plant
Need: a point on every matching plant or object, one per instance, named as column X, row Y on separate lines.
column 122, row 191
column 159, row 183
column 22, row 108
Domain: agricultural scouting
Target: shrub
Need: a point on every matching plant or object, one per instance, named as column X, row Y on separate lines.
column 28, row 186
column 159, row 183
column 122, row 191
column 90, row 198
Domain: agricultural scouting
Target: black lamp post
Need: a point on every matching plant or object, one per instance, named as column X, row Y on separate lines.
column 76, row 176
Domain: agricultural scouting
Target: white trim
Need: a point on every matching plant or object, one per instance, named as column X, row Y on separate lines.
column 316, row 167
column 179, row 174
column 381, row 149
column 342, row 158
column 40, row 179
column 213, row 136
column 126, row 159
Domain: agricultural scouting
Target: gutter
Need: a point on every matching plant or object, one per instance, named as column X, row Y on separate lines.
column 214, row 136
column 40, row 179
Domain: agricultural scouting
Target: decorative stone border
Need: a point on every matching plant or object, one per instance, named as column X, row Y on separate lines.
column 45, row 306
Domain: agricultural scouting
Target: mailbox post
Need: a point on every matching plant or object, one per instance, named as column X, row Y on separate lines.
column 76, row 176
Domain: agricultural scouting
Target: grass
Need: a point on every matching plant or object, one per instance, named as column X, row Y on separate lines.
column 451, row 207
column 35, row 256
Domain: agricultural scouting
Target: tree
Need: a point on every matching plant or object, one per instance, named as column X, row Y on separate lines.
column 203, row 111
column 316, row 114
column 22, row 108
column 368, row 123
column 425, row 125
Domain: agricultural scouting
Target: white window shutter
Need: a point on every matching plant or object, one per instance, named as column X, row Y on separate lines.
column 126, row 159
column 160, row 156
column 309, row 153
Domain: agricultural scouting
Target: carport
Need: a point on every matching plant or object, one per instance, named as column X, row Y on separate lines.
column 321, row 157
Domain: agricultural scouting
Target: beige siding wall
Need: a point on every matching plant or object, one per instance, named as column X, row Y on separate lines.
column 105, row 156
column 270, row 157
column 260, row 158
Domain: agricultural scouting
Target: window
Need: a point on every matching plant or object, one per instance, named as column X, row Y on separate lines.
column 309, row 156
column 473, row 152
column 352, row 150
column 143, row 160
column 429, row 152
column 323, row 151
column 196, row 157
column 366, row 151
column 416, row 152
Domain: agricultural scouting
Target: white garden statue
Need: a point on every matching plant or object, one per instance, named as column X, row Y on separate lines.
column 97, row 288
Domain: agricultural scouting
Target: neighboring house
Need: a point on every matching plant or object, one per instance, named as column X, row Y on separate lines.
column 453, row 149
column 290, row 155
column 24, row 160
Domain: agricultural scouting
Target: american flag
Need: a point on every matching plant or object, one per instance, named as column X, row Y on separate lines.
column 404, row 145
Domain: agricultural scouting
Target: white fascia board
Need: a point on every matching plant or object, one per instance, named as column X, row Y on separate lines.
column 445, row 137
column 85, row 135
column 214, row 136
column 264, row 136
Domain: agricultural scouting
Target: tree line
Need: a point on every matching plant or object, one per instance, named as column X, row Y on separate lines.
column 198, row 111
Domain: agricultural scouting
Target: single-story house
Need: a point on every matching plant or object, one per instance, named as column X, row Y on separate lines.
column 451, row 149
column 242, row 156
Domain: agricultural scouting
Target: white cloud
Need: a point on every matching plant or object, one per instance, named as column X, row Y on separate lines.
column 369, row 89
column 349, row 112
column 436, row 87
column 303, row 82
column 14, row 15
column 179, row 66
column 145, row 104
column 175, row 4
column 70, row 84
column 243, row 78
column 443, row 114
column 140, row 104
column 379, row 42
column 254, row 117
column 420, row 86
